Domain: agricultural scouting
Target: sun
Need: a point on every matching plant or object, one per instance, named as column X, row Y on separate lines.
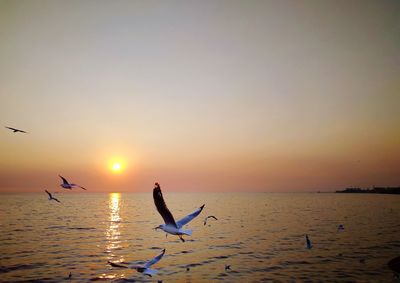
column 116, row 167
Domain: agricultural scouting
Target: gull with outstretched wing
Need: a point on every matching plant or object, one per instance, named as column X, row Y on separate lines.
column 145, row 268
column 51, row 196
column 67, row 185
column 210, row 216
column 170, row 226
column 15, row 130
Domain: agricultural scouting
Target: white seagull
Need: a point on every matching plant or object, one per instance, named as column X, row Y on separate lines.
column 15, row 130
column 211, row 216
column 69, row 186
column 145, row 268
column 51, row 197
column 170, row 226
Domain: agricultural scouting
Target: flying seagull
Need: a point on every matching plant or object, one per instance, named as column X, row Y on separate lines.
column 69, row 186
column 145, row 269
column 340, row 227
column 170, row 226
column 51, row 197
column 211, row 216
column 308, row 242
column 16, row 130
column 227, row 267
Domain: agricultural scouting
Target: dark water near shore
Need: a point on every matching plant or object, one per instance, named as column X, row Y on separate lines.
column 261, row 235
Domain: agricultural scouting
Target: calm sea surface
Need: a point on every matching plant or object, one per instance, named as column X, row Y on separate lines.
column 261, row 235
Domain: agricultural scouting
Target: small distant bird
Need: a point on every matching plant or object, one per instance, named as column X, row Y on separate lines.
column 308, row 242
column 187, row 268
column 145, row 269
column 51, row 197
column 69, row 276
column 211, row 216
column 170, row 226
column 16, row 130
column 227, row 267
column 340, row 227
column 69, row 186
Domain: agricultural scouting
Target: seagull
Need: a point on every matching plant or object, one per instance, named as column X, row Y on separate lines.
column 227, row 267
column 51, row 197
column 145, row 269
column 69, row 186
column 15, row 130
column 69, row 276
column 211, row 216
column 309, row 245
column 170, row 226
column 340, row 227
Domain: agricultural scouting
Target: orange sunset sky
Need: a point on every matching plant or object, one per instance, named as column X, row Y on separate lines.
column 200, row 95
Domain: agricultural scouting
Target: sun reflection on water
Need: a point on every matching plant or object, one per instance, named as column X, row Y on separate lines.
column 113, row 232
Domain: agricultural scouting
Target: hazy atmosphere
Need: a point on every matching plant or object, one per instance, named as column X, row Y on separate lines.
column 200, row 95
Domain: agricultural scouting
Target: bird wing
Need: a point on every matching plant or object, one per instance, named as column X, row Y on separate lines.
column 56, row 200
column 185, row 220
column 64, row 180
column 155, row 260
column 48, row 193
column 75, row 185
column 116, row 264
column 212, row 216
column 162, row 207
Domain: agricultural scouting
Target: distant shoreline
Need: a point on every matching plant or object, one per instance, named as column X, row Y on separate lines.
column 374, row 190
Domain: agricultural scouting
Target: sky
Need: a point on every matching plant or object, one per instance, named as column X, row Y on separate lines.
column 269, row 96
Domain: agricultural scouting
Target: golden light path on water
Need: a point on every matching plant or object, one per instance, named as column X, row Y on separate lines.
column 113, row 232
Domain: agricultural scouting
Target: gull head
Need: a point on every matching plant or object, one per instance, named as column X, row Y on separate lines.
column 159, row 227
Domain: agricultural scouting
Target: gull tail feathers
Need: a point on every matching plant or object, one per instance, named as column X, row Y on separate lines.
column 186, row 232
column 150, row 271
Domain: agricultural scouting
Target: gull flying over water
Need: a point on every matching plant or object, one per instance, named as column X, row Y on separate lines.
column 15, row 130
column 145, row 268
column 170, row 226
column 210, row 216
column 69, row 186
column 51, row 197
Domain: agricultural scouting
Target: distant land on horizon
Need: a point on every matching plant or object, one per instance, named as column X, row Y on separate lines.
column 374, row 190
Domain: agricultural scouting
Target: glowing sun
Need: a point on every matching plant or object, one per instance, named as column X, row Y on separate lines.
column 116, row 167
